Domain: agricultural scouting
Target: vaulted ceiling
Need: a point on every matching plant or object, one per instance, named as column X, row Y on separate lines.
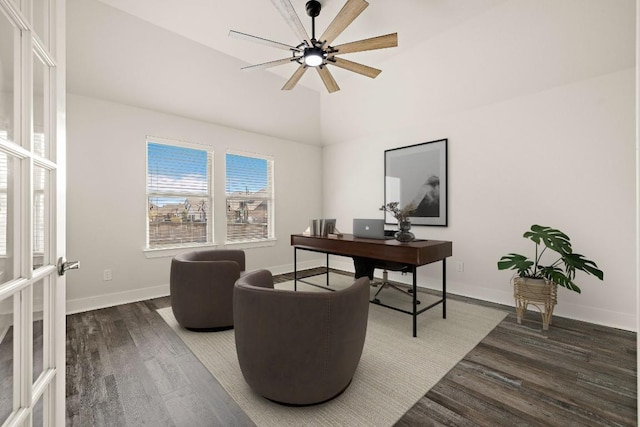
column 208, row 22
column 175, row 56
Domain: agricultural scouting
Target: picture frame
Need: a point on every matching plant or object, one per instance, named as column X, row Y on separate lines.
column 418, row 174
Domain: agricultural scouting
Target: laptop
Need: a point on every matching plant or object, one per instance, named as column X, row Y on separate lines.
column 369, row 228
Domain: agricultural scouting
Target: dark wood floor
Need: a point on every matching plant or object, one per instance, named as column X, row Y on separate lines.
column 126, row 367
column 575, row 374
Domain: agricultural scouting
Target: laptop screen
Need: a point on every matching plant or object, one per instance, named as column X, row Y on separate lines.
column 368, row 228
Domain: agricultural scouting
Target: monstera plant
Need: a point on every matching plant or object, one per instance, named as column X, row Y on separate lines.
column 562, row 270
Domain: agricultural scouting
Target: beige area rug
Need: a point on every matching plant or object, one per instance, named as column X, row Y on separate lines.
column 395, row 370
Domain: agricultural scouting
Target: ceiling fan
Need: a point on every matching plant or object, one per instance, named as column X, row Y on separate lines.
column 318, row 53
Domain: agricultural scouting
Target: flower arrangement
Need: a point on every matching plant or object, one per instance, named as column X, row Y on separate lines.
column 400, row 214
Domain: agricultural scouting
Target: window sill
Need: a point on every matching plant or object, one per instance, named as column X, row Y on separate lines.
column 173, row 251
column 251, row 244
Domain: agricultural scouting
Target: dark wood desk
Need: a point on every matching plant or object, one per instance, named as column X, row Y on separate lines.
column 413, row 254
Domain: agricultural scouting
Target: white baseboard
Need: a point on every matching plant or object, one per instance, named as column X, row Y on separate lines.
column 612, row 319
column 109, row 300
column 598, row 316
column 579, row 312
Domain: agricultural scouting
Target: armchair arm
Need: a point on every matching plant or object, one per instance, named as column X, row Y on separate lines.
column 226, row 255
column 194, row 273
column 258, row 278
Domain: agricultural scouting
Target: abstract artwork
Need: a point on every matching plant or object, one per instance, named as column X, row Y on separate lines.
column 417, row 175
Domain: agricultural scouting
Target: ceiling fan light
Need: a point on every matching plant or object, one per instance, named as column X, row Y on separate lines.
column 313, row 57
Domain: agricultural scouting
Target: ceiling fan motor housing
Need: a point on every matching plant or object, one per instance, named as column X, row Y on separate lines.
column 313, row 8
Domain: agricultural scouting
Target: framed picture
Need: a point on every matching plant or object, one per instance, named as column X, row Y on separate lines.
column 417, row 175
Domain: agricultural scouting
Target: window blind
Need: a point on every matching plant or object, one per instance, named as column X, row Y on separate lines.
column 40, row 178
column 178, row 195
column 249, row 192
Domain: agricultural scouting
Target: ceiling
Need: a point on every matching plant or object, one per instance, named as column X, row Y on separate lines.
column 208, row 23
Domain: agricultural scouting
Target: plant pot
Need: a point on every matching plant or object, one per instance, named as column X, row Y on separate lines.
column 540, row 293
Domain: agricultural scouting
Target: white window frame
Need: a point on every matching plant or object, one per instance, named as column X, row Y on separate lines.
column 270, row 240
column 170, row 250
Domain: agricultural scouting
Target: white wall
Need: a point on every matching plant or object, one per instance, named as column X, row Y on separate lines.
column 115, row 56
column 107, row 204
column 117, row 62
column 537, row 101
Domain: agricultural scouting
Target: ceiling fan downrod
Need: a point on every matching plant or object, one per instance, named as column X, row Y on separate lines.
column 313, row 10
column 314, row 55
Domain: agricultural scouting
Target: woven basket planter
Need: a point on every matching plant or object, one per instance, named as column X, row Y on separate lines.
column 538, row 292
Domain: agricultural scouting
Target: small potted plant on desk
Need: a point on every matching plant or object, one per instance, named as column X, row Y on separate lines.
column 402, row 216
column 537, row 284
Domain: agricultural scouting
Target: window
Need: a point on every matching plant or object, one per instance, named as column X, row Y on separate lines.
column 178, row 194
column 249, row 189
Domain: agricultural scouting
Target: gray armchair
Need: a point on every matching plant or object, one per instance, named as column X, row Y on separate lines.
column 201, row 285
column 298, row 348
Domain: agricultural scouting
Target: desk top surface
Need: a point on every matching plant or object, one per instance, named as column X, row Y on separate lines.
column 418, row 252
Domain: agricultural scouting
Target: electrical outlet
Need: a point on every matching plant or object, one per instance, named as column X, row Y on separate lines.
column 459, row 266
column 106, row 275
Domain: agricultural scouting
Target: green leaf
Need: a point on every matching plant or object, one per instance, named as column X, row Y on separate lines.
column 557, row 276
column 569, row 285
column 577, row 261
column 552, row 238
column 516, row 262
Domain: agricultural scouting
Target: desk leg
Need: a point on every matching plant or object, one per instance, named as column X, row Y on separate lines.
column 327, row 270
column 295, row 268
column 444, row 288
column 415, row 302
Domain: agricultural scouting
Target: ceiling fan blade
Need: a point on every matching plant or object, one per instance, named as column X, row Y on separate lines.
column 268, row 64
column 349, row 12
column 289, row 14
column 327, row 79
column 256, row 39
column 290, row 84
column 365, row 70
column 380, row 42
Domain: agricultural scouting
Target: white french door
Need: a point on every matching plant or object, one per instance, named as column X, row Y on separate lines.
column 32, row 212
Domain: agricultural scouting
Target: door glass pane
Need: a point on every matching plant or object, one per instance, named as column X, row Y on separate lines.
column 40, row 110
column 7, row 202
column 6, row 358
column 37, row 417
column 40, row 208
column 38, row 328
column 8, row 37
column 40, row 20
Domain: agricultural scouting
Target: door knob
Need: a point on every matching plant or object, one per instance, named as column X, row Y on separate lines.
column 64, row 265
